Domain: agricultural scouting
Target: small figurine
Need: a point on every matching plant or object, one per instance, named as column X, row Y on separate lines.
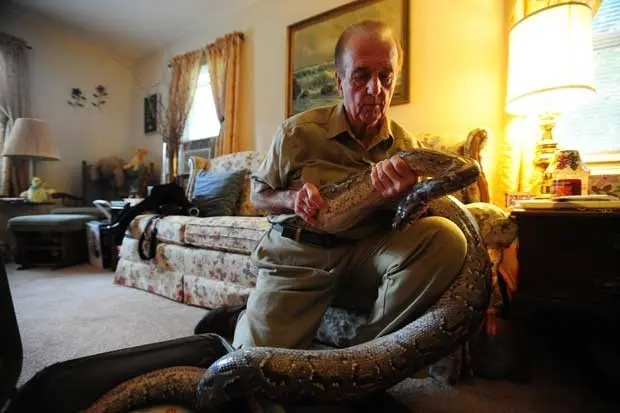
column 137, row 162
column 136, row 173
column 37, row 192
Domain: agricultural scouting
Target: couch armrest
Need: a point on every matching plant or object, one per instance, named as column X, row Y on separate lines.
column 498, row 230
column 196, row 164
column 474, row 144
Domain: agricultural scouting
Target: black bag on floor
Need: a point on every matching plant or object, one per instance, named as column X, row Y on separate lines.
column 74, row 385
column 11, row 352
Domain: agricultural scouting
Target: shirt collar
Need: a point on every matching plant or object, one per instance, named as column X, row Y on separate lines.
column 338, row 125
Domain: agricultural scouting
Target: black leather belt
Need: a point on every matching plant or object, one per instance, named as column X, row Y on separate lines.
column 309, row 237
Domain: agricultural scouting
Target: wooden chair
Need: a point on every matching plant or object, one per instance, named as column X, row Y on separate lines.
column 101, row 188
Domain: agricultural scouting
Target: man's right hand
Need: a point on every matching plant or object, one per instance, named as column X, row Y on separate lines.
column 308, row 201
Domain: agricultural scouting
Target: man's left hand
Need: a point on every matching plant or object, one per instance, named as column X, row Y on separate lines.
column 392, row 176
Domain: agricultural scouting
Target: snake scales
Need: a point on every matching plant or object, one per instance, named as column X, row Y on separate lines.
column 335, row 375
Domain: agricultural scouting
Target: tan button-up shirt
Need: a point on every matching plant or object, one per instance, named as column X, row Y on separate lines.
column 317, row 146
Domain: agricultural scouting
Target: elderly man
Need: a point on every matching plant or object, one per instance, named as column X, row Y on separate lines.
column 392, row 276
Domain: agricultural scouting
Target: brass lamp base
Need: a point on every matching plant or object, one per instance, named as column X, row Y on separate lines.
column 545, row 149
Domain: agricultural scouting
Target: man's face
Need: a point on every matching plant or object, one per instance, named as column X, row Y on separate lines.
column 369, row 67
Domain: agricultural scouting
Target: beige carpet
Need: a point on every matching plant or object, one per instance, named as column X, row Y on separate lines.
column 79, row 311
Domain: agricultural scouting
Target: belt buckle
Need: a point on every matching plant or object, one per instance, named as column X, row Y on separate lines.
column 297, row 234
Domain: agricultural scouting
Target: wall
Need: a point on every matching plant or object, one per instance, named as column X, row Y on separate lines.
column 457, row 71
column 60, row 61
column 150, row 75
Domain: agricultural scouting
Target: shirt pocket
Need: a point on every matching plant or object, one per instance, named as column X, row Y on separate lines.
column 323, row 173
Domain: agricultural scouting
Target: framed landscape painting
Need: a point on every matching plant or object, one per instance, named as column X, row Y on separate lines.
column 311, row 80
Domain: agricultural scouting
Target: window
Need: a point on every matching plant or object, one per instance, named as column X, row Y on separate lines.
column 202, row 121
column 594, row 129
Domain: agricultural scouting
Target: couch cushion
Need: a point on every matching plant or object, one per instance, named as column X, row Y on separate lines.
column 170, row 228
column 217, row 193
column 236, row 234
column 249, row 160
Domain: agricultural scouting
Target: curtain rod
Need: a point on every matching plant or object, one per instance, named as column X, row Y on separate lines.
column 240, row 34
column 17, row 39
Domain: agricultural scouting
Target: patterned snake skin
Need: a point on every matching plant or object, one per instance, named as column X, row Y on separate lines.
column 352, row 199
column 338, row 375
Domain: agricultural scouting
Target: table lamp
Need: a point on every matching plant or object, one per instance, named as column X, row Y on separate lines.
column 30, row 139
column 550, row 70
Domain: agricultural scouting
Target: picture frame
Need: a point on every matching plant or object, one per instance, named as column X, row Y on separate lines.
column 150, row 113
column 310, row 73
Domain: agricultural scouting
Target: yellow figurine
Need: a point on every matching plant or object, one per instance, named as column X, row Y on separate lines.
column 136, row 173
column 137, row 161
column 37, row 192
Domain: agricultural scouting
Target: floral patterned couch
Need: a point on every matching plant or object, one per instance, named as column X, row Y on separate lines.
column 205, row 261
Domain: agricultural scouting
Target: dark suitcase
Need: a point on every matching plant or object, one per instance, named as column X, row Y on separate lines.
column 73, row 385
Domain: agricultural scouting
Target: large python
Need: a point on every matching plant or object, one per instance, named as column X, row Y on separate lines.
column 337, row 375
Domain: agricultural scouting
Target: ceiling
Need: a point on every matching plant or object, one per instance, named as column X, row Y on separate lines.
column 131, row 28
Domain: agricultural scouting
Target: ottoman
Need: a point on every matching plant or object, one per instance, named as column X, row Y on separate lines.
column 50, row 239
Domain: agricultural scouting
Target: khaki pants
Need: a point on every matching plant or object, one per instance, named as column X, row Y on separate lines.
column 394, row 276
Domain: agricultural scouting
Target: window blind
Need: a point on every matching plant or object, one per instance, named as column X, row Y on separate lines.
column 595, row 127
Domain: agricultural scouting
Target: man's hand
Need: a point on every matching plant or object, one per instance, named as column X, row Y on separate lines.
column 392, row 177
column 308, row 201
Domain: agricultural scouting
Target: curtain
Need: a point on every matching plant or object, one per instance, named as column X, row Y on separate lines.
column 516, row 168
column 14, row 103
column 224, row 62
column 184, row 78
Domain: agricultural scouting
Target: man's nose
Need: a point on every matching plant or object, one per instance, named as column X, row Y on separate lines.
column 373, row 87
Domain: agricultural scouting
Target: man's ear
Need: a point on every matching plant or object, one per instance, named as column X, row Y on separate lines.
column 339, row 83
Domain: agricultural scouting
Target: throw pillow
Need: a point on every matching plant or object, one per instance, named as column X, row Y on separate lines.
column 218, row 193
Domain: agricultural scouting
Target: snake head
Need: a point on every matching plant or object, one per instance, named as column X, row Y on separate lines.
column 410, row 208
column 400, row 221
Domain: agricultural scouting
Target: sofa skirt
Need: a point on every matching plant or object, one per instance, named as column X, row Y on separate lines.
column 196, row 276
column 208, row 293
column 148, row 277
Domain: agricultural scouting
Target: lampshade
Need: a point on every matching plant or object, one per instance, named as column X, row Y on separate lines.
column 30, row 139
column 551, row 61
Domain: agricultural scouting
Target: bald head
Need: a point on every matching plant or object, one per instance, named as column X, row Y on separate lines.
column 368, row 60
column 371, row 28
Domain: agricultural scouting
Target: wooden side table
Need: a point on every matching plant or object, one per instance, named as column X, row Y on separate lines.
column 569, row 276
column 568, row 259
